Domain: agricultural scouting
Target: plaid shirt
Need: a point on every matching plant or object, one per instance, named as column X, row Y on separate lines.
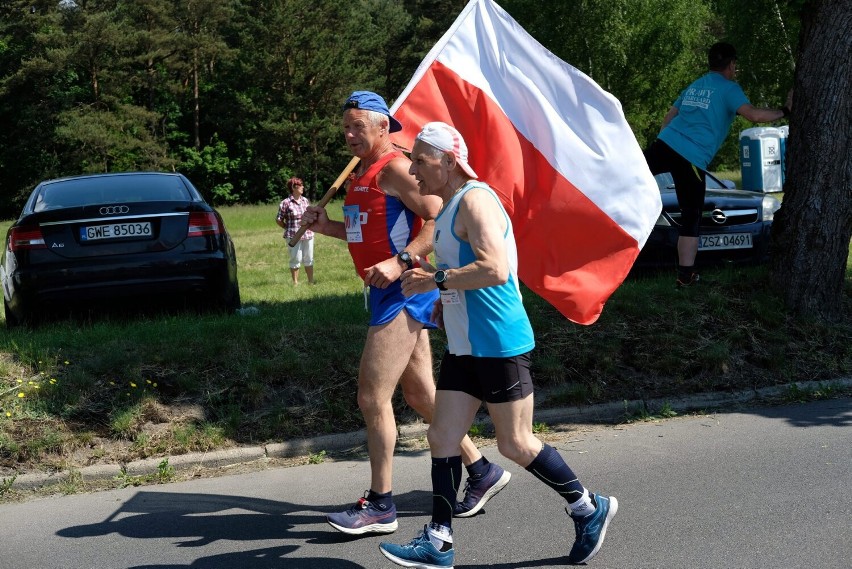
column 290, row 212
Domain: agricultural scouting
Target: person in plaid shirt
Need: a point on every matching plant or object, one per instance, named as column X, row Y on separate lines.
column 289, row 218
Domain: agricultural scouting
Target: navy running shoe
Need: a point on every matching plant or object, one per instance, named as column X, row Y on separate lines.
column 477, row 491
column 364, row 517
column 419, row 552
column 592, row 529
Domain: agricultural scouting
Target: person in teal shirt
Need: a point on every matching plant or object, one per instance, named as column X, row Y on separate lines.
column 693, row 130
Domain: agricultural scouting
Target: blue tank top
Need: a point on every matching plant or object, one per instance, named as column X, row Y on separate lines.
column 488, row 322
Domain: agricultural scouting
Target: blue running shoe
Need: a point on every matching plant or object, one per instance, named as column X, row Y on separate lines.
column 364, row 517
column 419, row 553
column 592, row 529
column 477, row 491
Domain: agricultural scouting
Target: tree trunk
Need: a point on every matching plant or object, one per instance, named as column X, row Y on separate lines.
column 812, row 229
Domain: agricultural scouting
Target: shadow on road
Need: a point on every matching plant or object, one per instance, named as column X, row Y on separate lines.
column 196, row 520
column 832, row 412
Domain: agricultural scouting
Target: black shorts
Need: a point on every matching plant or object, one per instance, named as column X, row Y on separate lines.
column 494, row 380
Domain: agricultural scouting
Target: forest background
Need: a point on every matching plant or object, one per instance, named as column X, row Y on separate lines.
column 241, row 94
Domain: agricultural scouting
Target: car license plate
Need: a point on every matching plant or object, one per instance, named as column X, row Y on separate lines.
column 725, row 241
column 115, row 231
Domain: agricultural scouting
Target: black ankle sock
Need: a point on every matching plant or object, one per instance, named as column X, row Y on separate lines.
column 479, row 468
column 381, row 501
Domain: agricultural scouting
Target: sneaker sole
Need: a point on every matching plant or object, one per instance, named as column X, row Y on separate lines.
column 415, row 564
column 613, row 508
column 372, row 528
column 504, row 480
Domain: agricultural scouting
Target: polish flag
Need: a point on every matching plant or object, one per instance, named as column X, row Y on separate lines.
column 554, row 146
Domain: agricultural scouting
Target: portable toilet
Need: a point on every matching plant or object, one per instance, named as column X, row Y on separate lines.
column 760, row 159
column 784, row 132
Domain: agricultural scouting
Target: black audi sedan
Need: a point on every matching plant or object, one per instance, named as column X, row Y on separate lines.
column 735, row 227
column 116, row 240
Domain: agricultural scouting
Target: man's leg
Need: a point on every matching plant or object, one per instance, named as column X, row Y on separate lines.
column 515, row 440
column 485, row 479
column 454, row 413
column 386, row 355
column 384, row 364
column 418, row 387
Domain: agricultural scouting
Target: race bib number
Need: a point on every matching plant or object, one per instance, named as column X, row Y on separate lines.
column 354, row 219
column 450, row 296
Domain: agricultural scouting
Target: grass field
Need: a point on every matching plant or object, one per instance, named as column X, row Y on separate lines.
column 114, row 390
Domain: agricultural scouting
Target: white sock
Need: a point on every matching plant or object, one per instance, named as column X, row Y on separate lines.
column 439, row 535
column 582, row 507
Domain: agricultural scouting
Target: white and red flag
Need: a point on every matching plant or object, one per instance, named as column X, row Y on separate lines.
column 554, row 146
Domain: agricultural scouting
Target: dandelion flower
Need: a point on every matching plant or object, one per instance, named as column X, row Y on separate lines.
column 132, row 384
column 67, row 362
column 8, row 413
column 22, row 395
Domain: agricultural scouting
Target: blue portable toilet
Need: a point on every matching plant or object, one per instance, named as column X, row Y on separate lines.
column 784, row 132
column 760, row 159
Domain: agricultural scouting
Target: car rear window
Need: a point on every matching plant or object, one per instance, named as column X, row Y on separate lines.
column 111, row 189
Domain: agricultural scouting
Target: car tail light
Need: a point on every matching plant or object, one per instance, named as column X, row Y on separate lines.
column 26, row 237
column 205, row 223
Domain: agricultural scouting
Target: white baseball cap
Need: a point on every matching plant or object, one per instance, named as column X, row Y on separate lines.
column 447, row 139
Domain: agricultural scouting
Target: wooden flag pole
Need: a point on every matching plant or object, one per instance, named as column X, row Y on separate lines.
column 327, row 197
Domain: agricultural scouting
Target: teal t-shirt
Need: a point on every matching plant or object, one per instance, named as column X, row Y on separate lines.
column 706, row 110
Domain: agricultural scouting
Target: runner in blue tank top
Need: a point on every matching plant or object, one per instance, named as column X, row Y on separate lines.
column 488, row 357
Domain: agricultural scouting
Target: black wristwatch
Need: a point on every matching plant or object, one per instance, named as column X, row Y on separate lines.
column 440, row 277
column 405, row 257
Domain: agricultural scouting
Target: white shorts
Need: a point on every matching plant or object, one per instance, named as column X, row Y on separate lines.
column 302, row 254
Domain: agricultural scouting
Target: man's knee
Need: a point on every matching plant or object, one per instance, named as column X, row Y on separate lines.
column 372, row 402
column 422, row 401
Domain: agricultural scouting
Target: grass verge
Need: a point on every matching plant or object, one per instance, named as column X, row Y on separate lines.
column 115, row 390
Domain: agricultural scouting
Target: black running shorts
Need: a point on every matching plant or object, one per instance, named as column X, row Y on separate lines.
column 494, row 380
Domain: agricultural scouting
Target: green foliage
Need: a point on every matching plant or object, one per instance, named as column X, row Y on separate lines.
column 210, row 169
column 241, row 95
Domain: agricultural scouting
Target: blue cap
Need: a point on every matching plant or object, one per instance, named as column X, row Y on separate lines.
column 369, row 101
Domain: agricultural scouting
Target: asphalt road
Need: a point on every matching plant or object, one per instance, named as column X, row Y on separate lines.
column 766, row 487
